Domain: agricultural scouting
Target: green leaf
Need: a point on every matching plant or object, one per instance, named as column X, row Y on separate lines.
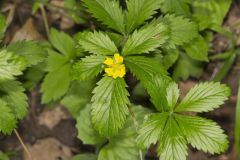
column 2, row 26
column 10, row 65
column 7, row 119
column 108, row 12
column 173, row 145
column 123, row 146
column 12, row 93
column 89, row 67
column 210, row 12
column 138, row 11
column 182, row 30
column 152, row 128
column 4, row 156
column 179, row 7
column 172, row 94
column 198, row 49
column 180, row 71
column 237, row 122
column 32, row 51
column 109, row 105
column 203, row 134
column 63, row 43
column 78, row 96
column 97, row 43
column 146, row 39
column 56, row 84
column 170, row 57
column 55, row 61
column 152, row 75
column 86, row 132
column 204, row 97
column 85, row 157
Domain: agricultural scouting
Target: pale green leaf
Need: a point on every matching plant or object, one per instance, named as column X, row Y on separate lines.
column 152, row 128
column 12, row 93
column 152, row 75
column 109, row 105
column 56, row 84
column 203, row 134
column 146, row 39
column 138, row 11
column 197, row 49
column 108, row 12
column 78, row 96
column 204, row 97
column 7, row 119
column 123, row 146
column 182, row 30
column 172, row 144
column 172, row 94
column 97, row 43
column 32, row 51
column 11, row 65
column 88, row 67
column 180, row 68
column 62, row 42
column 86, row 132
column 179, row 7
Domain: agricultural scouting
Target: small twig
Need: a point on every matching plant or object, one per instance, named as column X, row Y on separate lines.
column 136, row 127
column 23, row 145
column 44, row 15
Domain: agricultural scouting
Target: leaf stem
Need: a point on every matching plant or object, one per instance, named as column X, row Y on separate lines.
column 23, row 145
column 44, row 15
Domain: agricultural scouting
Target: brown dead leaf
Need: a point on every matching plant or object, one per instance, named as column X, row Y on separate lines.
column 48, row 149
column 51, row 117
column 27, row 32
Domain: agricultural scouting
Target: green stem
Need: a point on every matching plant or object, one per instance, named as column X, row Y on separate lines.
column 237, row 123
column 44, row 15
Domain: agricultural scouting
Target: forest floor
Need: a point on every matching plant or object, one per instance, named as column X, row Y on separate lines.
column 50, row 133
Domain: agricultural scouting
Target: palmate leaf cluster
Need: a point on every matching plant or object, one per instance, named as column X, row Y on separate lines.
column 75, row 76
column 14, row 59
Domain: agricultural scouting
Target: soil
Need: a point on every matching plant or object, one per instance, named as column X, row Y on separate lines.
column 50, row 133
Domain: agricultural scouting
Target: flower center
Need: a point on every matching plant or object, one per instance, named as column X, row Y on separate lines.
column 115, row 67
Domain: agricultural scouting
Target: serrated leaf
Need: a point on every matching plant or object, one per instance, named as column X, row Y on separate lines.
column 97, row 43
column 180, row 71
column 198, row 49
column 203, row 134
column 56, row 84
column 86, row 132
column 88, row 67
column 62, row 42
column 204, row 97
column 172, row 94
column 146, row 39
column 126, row 148
column 109, row 105
column 210, row 12
column 10, row 65
column 32, row 51
column 182, row 30
column 170, row 57
column 108, row 12
column 138, row 11
column 178, row 7
column 173, row 145
column 152, row 75
column 7, row 118
column 78, row 96
column 55, row 60
column 151, row 130
column 13, row 94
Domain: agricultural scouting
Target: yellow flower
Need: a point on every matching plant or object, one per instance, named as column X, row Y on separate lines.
column 115, row 68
